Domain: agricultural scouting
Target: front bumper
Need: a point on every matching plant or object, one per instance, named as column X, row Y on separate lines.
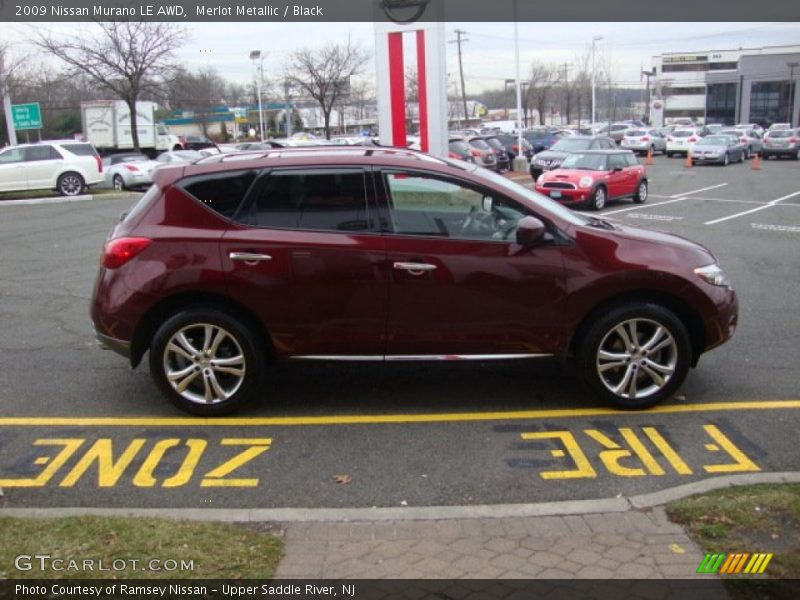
column 566, row 196
column 106, row 342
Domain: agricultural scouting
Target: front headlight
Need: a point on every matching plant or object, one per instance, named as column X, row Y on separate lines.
column 714, row 275
column 585, row 182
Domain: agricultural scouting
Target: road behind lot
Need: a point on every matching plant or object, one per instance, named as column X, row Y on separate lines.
column 455, row 448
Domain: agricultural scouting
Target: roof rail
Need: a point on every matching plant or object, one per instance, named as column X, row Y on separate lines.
column 301, row 151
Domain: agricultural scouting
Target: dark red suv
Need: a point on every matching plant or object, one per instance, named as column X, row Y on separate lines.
column 351, row 254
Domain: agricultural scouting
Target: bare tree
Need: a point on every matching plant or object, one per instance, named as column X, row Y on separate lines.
column 540, row 86
column 199, row 92
column 8, row 66
column 324, row 74
column 127, row 58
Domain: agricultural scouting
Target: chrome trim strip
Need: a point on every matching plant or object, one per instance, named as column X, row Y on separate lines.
column 418, row 357
column 249, row 257
column 414, row 268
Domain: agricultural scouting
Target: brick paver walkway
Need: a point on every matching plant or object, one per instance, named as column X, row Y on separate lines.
column 631, row 545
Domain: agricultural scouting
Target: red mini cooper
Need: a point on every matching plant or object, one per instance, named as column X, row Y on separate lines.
column 594, row 177
column 368, row 254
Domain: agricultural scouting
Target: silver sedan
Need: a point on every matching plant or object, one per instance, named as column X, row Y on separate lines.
column 123, row 171
column 719, row 149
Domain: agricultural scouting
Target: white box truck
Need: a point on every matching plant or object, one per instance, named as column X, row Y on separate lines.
column 107, row 125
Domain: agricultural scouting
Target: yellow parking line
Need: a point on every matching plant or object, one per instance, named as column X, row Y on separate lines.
column 389, row 419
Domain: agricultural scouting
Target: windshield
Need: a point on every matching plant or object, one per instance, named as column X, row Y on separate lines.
column 479, row 143
column 681, row 133
column 589, row 162
column 783, row 133
column 636, row 133
column 570, row 145
column 546, row 203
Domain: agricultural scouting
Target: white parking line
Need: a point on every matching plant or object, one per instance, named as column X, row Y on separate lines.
column 788, row 228
column 711, row 187
column 752, row 210
column 641, row 206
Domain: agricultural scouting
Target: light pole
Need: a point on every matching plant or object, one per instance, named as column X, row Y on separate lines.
column 792, row 86
column 255, row 55
column 594, row 41
column 520, row 163
column 287, row 108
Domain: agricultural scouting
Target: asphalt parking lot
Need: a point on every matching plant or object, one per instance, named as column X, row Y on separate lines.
column 78, row 428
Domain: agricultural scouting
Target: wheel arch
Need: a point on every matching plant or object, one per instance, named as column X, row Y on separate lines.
column 684, row 312
column 161, row 311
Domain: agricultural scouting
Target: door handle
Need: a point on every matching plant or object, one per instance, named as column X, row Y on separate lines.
column 414, row 268
column 249, row 258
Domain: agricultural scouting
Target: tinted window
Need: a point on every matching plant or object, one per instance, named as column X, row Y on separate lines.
column 221, row 192
column 590, row 162
column 617, row 161
column 480, row 144
column 120, row 158
column 35, row 153
column 630, row 160
column 80, row 149
column 636, row 133
column 320, row 200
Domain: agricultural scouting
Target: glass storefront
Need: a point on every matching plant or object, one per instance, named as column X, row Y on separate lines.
column 769, row 102
column 721, row 103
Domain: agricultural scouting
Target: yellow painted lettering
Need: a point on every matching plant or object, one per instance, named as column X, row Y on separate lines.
column 583, row 467
column 108, row 470
column 741, row 463
column 144, row 476
column 667, row 451
column 70, row 445
column 184, row 474
column 216, row 477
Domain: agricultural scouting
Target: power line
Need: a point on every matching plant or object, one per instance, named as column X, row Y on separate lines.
column 459, row 40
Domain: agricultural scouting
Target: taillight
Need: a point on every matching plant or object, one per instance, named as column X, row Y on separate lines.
column 453, row 155
column 99, row 163
column 118, row 252
column 132, row 168
column 743, row 140
column 792, row 140
column 692, row 139
column 645, row 139
column 475, row 152
column 515, row 148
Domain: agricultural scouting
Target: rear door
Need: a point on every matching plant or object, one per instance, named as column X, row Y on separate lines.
column 306, row 256
column 620, row 181
column 42, row 163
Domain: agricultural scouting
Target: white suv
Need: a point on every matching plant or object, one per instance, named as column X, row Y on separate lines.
column 66, row 166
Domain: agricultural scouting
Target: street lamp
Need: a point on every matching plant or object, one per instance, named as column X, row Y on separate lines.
column 792, row 87
column 594, row 40
column 255, row 55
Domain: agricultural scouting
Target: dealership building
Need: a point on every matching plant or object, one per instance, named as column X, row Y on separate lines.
column 748, row 85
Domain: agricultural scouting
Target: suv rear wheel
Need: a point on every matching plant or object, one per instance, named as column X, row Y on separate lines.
column 70, row 184
column 206, row 362
column 635, row 355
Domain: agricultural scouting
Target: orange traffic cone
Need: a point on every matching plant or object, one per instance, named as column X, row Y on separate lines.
column 649, row 160
column 756, row 165
column 688, row 163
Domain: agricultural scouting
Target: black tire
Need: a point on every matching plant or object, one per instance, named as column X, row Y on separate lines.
column 669, row 154
column 642, row 191
column 240, row 342
column 741, row 157
column 726, row 160
column 70, row 184
column 797, row 155
column 599, row 198
column 603, row 333
column 747, row 153
column 118, row 183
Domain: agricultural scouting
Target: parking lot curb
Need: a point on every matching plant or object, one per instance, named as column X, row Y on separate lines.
column 620, row 504
column 63, row 199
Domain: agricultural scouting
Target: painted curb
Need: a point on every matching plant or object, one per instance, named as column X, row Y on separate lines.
column 419, row 513
column 64, row 200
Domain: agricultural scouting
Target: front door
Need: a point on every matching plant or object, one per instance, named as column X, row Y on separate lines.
column 460, row 285
column 12, row 170
column 307, row 259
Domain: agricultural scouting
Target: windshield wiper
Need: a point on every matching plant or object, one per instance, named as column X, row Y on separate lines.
column 599, row 223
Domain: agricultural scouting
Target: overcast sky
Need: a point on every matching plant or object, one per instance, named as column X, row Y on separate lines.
column 488, row 54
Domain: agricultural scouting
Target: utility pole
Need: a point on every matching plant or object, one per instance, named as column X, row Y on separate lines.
column 459, row 40
column 287, row 108
column 594, row 41
column 792, row 86
column 648, row 74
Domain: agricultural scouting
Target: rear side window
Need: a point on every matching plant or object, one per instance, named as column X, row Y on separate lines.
column 617, row 161
column 80, row 149
column 36, row 153
column 631, row 161
column 323, row 200
column 221, row 192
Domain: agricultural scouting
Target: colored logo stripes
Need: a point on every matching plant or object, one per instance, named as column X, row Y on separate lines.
column 741, row 562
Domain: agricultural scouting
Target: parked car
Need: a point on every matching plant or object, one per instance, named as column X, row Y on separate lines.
column 66, row 166
column 683, row 122
column 482, row 152
column 644, row 141
column 754, row 126
column 592, row 178
column 459, row 149
column 541, row 138
column 465, row 265
column 548, row 160
column 782, row 142
column 714, row 127
column 509, row 141
column 682, row 139
column 124, row 171
column 720, row 149
column 616, row 131
column 197, row 142
column 179, row 157
column 775, row 126
column 500, row 154
column 749, row 137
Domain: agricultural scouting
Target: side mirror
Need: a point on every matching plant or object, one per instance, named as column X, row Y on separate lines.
column 617, row 169
column 529, row 231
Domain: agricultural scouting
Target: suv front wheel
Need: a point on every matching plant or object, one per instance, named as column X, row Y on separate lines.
column 635, row 355
column 206, row 362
